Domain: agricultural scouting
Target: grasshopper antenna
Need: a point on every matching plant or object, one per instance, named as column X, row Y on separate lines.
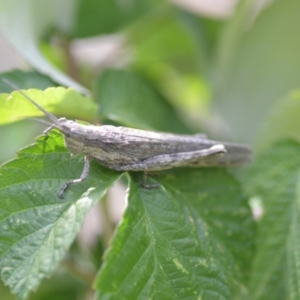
column 51, row 117
column 40, row 121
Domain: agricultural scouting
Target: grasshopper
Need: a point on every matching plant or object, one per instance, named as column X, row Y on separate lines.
column 128, row 149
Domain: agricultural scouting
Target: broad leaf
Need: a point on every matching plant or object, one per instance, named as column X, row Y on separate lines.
column 126, row 98
column 258, row 61
column 274, row 179
column 36, row 227
column 190, row 238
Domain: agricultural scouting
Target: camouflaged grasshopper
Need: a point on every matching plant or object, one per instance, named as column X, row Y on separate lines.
column 127, row 149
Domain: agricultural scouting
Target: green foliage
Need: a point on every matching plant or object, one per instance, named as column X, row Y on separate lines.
column 155, row 113
column 282, row 122
column 36, row 226
column 94, row 17
column 32, row 79
column 56, row 100
column 186, row 241
column 194, row 237
column 274, row 178
column 260, row 66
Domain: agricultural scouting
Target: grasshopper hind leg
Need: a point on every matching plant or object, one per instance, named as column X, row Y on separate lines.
column 182, row 159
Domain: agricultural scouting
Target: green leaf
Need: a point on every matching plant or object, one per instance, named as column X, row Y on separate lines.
column 24, row 23
column 174, row 49
column 60, row 101
column 163, row 38
column 107, row 16
column 190, row 238
column 5, row 292
column 274, row 178
column 36, row 227
column 282, row 122
column 258, row 62
column 24, row 80
column 60, row 286
column 127, row 99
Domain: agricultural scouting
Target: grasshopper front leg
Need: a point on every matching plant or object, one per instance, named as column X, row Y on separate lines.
column 83, row 177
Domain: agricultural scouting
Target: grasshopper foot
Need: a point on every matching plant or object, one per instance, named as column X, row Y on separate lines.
column 148, row 186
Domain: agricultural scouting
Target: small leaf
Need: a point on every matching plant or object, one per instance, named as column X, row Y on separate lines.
column 36, row 227
column 60, row 101
column 127, row 99
column 187, row 239
column 274, row 178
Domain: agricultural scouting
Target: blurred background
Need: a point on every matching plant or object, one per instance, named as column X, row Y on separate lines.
column 224, row 66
